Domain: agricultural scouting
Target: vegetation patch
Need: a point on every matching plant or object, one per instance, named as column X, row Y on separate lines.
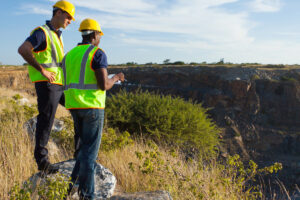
column 164, row 119
column 53, row 188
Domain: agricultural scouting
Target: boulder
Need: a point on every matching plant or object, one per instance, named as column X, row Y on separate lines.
column 105, row 181
column 156, row 195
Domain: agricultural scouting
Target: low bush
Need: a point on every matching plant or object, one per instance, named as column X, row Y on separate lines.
column 164, row 119
column 178, row 63
column 288, row 78
column 112, row 140
column 53, row 188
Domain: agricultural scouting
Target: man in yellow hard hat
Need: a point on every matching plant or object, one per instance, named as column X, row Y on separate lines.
column 86, row 82
column 43, row 51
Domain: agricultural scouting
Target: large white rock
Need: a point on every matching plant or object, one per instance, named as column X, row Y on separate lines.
column 105, row 181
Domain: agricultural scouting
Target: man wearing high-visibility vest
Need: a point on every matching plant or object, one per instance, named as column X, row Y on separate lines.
column 43, row 51
column 86, row 82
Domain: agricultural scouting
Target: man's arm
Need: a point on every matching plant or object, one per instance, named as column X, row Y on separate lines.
column 105, row 83
column 25, row 50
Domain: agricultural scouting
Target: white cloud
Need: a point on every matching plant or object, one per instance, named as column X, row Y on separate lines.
column 190, row 26
column 195, row 18
column 34, row 9
column 115, row 6
column 266, row 5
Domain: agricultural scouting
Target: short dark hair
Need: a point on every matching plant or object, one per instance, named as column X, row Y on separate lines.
column 88, row 37
column 55, row 11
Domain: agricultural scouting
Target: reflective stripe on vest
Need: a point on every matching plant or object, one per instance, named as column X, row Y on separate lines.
column 53, row 51
column 48, row 58
column 80, row 85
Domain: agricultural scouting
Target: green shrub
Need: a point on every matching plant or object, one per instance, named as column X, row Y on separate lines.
column 111, row 140
column 54, row 188
column 241, row 175
column 163, row 119
column 21, row 193
column 17, row 97
column 287, row 78
column 178, row 63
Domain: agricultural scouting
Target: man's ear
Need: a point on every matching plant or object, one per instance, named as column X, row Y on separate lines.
column 59, row 12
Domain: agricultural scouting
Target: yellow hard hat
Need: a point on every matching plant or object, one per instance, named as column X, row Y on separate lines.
column 66, row 6
column 90, row 24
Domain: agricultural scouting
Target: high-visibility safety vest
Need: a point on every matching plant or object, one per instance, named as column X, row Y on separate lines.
column 80, row 83
column 50, row 58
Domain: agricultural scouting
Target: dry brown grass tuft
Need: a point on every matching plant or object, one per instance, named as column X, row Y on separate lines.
column 17, row 162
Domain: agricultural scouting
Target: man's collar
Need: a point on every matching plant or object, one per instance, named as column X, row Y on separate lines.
column 58, row 32
column 83, row 43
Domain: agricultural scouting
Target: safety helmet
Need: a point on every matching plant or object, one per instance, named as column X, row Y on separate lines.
column 66, row 6
column 90, row 24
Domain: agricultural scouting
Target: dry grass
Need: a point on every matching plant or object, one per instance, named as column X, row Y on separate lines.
column 17, row 162
column 16, row 157
column 7, row 94
column 184, row 180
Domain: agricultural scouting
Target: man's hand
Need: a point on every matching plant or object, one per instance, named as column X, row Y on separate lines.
column 104, row 82
column 49, row 75
column 120, row 76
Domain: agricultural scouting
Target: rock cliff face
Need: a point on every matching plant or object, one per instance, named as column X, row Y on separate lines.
column 259, row 108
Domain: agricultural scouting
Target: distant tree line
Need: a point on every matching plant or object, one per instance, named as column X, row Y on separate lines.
column 168, row 62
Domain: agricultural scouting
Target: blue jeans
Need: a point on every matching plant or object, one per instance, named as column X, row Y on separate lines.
column 88, row 124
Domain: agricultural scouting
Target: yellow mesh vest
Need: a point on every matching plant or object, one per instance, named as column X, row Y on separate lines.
column 50, row 58
column 80, row 83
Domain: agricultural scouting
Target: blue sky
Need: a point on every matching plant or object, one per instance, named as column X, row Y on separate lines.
column 240, row 31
